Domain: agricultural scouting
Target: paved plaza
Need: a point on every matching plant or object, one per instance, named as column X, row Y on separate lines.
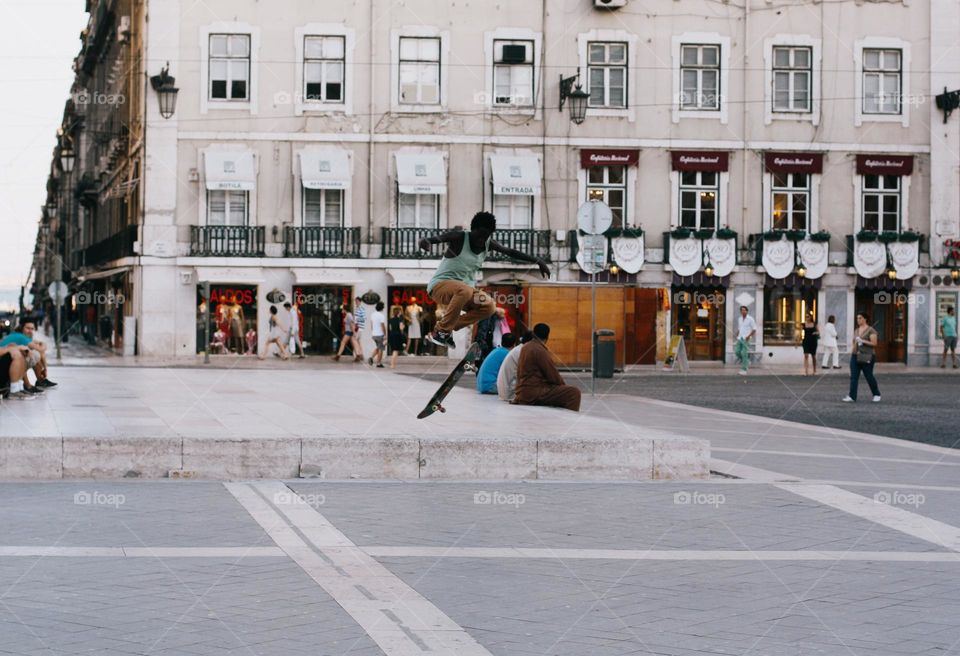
column 806, row 539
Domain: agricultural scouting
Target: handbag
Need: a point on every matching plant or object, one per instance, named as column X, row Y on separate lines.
column 864, row 358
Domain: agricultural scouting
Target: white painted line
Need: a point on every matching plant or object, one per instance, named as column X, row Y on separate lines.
column 144, row 552
column 838, row 456
column 753, row 474
column 642, row 554
column 394, row 615
column 931, row 530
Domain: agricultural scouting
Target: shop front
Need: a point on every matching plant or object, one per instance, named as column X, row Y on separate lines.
column 697, row 313
column 420, row 316
column 321, row 316
column 233, row 319
column 786, row 304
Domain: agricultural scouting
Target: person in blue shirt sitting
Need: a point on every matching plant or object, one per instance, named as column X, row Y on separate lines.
column 487, row 376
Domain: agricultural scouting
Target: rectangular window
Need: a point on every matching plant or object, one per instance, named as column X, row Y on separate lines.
column 513, row 212
column 420, row 70
column 881, row 202
column 700, row 77
column 792, row 79
column 513, row 73
column 699, row 199
column 323, row 208
column 418, row 210
column 323, row 69
column 607, row 74
column 227, row 208
column 609, row 184
column 784, row 314
column 229, row 67
column 881, row 81
column 791, row 201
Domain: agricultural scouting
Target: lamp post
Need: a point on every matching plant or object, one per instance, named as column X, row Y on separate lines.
column 165, row 86
column 67, row 158
column 577, row 96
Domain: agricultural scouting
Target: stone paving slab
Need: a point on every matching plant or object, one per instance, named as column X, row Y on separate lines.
column 219, row 424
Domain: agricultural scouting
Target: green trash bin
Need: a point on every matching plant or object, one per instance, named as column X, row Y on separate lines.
column 604, row 352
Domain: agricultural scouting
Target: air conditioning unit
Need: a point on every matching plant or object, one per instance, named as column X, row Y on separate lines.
column 609, row 4
column 123, row 29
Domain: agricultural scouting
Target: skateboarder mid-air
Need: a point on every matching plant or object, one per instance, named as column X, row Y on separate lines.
column 452, row 284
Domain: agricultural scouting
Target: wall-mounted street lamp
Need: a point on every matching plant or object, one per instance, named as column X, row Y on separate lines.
column 67, row 158
column 52, row 210
column 577, row 96
column 165, row 86
column 955, row 274
column 947, row 102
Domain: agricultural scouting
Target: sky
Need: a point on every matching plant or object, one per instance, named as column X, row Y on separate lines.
column 38, row 41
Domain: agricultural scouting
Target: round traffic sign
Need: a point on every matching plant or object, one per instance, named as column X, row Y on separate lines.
column 58, row 291
column 594, row 217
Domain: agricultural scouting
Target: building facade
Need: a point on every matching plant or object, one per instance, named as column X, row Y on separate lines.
column 751, row 154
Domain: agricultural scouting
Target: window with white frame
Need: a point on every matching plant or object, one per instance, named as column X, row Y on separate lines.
column 790, row 204
column 792, row 78
column 513, row 72
column 322, row 208
column 513, row 212
column 607, row 74
column 700, row 77
column 881, row 80
column 881, row 204
column 323, row 69
column 229, row 62
column 419, row 70
column 227, row 207
column 609, row 184
column 418, row 210
column 699, row 199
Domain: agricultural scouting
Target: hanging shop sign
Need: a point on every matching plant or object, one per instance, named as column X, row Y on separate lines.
column 810, row 163
column 884, row 164
column 699, row 160
column 608, row 157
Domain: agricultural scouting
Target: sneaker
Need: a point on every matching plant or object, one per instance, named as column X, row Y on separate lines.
column 442, row 338
column 370, row 360
column 837, row 367
column 33, row 391
column 379, row 366
column 847, row 399
column 20, row 396
column 876, row 399
column 742, row 372
column 46, row 383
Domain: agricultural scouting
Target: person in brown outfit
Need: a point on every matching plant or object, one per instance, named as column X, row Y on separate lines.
column 538, row 379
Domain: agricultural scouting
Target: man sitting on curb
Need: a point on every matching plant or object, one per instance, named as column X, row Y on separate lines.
column 538, row 379
column 36, row 357
column 13, row 367
column 490, row 369
column 507, row 377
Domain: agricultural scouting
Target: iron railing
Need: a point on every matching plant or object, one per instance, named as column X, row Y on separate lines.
column 114, row 247
column 404, row 242
column 535, row 243
column 317, row 241
column 227, row 241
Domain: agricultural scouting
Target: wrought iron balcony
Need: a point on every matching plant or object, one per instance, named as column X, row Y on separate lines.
column 114, row 247
column 227, row 241
column 535, row 243
column 316, row 241
column 404, row 242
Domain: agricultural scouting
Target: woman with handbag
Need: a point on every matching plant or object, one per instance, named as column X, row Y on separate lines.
column 862, row 359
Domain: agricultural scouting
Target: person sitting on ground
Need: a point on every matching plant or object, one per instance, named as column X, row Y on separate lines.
column 507, row 376
column 490, row 369
column 36, row 358
column 538, row 379
column 13, row 367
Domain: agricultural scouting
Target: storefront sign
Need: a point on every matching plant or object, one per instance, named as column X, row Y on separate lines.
column 793, row 162
column 243, row 296
column 608, row 157
column 407, row 295
column 699, row 160
column 884, row 164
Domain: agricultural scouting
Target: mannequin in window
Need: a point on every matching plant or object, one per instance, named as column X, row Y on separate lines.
column 414, row 334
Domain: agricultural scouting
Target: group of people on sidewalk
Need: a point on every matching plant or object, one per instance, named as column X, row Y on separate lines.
column 21, row 353
column 284, row 332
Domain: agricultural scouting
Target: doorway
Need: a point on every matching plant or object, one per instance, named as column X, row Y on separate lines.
column 886, row 311
column 698, row 317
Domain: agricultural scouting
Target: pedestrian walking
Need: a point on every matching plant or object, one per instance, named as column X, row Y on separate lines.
column 350, row 334
column 746, row 329
column 294, row 315
column 396, row 337
column 811, row 335
column 862, row 359
column 278, row 334
column 378, row 330
column 829, row 342
column 948, row 333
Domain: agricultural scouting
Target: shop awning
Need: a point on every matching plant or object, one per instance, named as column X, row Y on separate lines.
column 793, row 281
column 700, row 280
column 325, row 168
column 883, row 283
column 230, row 169
column 421, row 173
column 515, row 175
column 99, row 275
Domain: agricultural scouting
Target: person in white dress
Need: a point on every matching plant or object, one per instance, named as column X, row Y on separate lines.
column 828, row 340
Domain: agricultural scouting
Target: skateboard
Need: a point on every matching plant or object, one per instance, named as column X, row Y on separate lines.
column 466, row 364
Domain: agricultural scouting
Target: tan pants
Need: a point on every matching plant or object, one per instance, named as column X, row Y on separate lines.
column 559, row 396
column 459, row 297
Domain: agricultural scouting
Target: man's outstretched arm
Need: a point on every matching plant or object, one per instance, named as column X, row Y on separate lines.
column 443, row 238
column 523, row 257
